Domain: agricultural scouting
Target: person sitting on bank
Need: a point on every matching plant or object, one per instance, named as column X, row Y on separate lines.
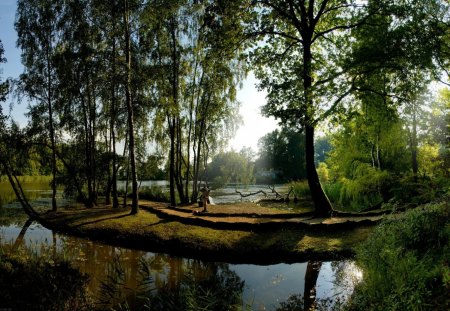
column 205, row 198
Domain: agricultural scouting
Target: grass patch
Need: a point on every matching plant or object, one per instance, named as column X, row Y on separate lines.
column 147, row 231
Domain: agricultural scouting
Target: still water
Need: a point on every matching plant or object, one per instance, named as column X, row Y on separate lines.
column 264, row 287
column 228, row 195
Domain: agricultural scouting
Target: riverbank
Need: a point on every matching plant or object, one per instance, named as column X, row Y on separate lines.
column 283, row 240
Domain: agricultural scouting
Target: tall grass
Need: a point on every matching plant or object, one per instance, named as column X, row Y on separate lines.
column 300, row 188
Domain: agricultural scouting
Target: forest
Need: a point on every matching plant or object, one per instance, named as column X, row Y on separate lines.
column 124, row 91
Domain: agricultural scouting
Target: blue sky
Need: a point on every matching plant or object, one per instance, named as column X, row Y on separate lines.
column 255, row 126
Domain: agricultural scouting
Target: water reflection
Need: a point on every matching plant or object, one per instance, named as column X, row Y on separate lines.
column 150, row 278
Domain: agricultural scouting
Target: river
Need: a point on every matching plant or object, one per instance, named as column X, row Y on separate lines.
column 264, row 287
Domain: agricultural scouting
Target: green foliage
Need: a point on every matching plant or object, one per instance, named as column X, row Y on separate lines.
column 231, row 167
column 368, row 187
column 419, row 190
column 30, row 282
column 323, row 172
column 283, row 151
column 4, row 86
column 404, row 262
column 220, row 291
column 151, row 168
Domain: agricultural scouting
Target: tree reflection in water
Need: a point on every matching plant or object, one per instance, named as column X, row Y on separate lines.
column 347, row 275
column 189, row 285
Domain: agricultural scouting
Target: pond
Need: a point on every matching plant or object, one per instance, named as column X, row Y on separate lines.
column 258, row 287
column 264, row 286
column 228, row 194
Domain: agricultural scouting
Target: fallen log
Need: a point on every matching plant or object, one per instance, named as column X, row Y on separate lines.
column 250, row 194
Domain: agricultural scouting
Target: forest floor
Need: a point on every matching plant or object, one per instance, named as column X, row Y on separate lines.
column 239, row 233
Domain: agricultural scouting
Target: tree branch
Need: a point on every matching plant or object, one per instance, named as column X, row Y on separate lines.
column 333, row 106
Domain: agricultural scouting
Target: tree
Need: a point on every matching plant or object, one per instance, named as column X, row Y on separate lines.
column 303, row 58
column 300, row 64
column 4, row 86
column 129, row 105
column 196, row 56
column 38, row 37
column 283, row 151
column 231, row 167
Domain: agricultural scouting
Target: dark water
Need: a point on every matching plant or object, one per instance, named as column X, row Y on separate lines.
column 264, row 286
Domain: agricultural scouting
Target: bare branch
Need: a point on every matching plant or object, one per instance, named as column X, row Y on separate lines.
column 277, row 195
column 276, row 33
column 250, row 194
column 322, row 11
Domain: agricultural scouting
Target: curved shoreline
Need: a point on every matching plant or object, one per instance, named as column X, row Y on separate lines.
column 280, row 241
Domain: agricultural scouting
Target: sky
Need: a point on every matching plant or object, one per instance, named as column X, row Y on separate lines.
column 254, row 124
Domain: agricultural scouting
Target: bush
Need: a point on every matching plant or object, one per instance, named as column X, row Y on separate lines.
column 405, row 262
column 420, row 190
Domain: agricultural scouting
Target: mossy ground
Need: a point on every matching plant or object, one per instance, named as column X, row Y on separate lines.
column 147, row 231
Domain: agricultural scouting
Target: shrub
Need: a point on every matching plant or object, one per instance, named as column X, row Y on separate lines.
column 404, row 262
column 419, row 190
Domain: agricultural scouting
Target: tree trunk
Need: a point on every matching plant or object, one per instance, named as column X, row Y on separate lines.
column 415, row 164
column 134, row 195
column 108, row 182
column 51, row 127
column 19, row 239
column 113, row 114
column 18, row 191
column 322, row 204
column 320, row 199
column 87, row 153
column 173, row 201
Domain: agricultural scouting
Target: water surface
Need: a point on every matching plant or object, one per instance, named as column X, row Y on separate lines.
column 264, row 286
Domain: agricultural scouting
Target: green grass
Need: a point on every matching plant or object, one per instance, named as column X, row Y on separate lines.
column 147, row 231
